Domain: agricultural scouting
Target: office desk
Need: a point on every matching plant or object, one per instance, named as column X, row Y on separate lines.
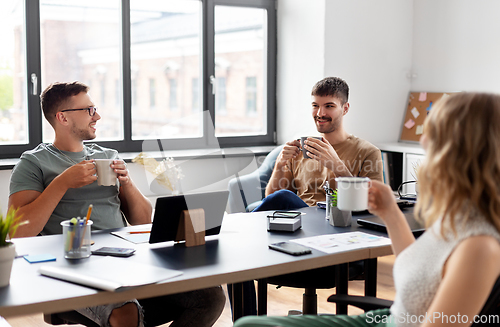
column 238, row 254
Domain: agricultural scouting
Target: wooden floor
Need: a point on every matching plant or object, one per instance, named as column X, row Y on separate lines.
column 280, row 301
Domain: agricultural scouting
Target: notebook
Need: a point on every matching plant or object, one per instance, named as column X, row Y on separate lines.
column 168, row 212
column 109, row 273
column 375, row 223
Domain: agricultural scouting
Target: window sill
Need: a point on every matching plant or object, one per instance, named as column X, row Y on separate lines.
column 179, row 154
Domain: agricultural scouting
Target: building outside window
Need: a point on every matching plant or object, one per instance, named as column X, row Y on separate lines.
column 220, row 97
column 152, row 93
column 172, row 99
column 125, row 62
column 195, row 87
column 251, row 96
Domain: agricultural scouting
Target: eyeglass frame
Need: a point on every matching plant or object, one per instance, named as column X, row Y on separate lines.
column 88, row 109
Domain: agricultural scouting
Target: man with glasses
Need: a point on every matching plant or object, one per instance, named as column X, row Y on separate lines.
column 57, row 181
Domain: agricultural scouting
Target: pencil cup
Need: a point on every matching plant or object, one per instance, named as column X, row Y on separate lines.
column 76, row 239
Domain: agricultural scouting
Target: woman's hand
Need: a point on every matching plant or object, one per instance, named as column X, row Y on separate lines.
column 381, row 201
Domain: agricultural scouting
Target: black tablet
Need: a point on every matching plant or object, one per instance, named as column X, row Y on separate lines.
column 168, row 212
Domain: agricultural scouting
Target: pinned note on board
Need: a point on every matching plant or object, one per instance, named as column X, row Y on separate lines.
column 410, row 123
column 419, row 130
column 415, row 112
column 418, row 107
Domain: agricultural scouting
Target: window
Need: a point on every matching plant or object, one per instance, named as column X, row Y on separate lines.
column 251, row 95
column 173, row 94
column 240, row 47
column 13, row 102
column 195, row 87
column 220, row 96
column 152, row 93
column 187, row 59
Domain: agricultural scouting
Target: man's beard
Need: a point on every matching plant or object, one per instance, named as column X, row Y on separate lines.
column 332, row 125
column 83, row 134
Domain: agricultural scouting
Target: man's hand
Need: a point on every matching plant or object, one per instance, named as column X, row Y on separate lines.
column 322, row 151
column 120, row 167
column 79, row 175
column 290, row 150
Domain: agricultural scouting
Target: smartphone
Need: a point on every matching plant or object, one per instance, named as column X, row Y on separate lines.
column 285, row 214
column 116, row 252
column 290, row 248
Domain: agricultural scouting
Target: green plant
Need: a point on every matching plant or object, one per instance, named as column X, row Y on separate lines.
column 333, row 197
column 9, row 225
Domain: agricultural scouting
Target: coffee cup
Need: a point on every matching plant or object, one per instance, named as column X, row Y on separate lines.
column 304, row 151
column 105, row 174
column 352, row 193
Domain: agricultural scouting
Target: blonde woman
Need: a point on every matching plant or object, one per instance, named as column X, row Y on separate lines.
column 444, row 278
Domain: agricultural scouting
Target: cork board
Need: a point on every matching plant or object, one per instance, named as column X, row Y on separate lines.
column 418, row 107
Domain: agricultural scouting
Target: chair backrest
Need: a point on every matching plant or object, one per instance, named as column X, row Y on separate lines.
column 266, row 169
column 491, row 309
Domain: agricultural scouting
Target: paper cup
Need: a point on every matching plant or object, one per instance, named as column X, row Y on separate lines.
column 105, row 174
column 352, row 193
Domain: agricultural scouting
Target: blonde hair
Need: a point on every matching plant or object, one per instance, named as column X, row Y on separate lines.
column 461, row 173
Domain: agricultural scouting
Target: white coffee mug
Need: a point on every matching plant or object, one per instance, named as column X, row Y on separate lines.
column 105, row 174
column 352, row 193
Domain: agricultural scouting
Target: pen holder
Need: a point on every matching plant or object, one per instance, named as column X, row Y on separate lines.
column 76, row 239
column 339, row 218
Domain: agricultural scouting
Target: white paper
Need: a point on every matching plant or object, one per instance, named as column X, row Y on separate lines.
column 415, row 112
column 343, row 242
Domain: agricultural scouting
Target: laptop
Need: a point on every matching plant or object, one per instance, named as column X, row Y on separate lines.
column 168, row 212
column 375, row 223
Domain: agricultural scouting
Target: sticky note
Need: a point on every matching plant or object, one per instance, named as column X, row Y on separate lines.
column 39, row 258
column 429, row 107
column 410, row 123
column 415, row 112
column 422, row 96
column 420, row 130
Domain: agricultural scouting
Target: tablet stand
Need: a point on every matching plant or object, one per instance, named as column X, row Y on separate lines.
column 190, row 222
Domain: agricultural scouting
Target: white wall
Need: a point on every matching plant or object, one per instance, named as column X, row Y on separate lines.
column 456, row 45
column 369, row 44
column 301, row 61
column 450, row 45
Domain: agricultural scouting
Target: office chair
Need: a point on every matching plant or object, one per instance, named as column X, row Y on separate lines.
column 367, row 303
column 245, row 194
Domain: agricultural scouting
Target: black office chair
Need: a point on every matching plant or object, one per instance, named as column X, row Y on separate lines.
column 367, row 303
column 68, row 318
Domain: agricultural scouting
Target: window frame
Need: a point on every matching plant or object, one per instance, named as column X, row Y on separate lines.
column 128, row 144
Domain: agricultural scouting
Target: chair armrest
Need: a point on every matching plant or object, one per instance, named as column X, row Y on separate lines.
column 247, row 189
column 244, row 190
column 365, row 303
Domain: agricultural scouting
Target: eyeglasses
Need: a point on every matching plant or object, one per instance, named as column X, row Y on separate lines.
column 91, row 110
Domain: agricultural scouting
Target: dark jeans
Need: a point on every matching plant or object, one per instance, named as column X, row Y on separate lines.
column 281, row 200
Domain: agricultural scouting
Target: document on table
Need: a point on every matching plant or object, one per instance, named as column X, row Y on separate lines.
column 342, row 242
column 109, row 273
column 135, row 236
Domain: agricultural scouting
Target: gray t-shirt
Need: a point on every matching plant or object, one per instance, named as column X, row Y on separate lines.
column 38, row 168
